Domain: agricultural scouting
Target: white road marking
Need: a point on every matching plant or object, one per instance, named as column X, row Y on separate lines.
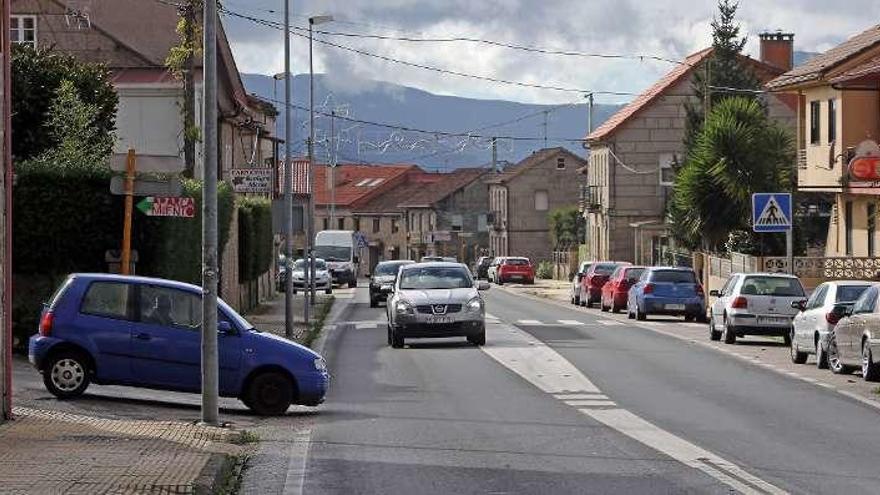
column 547, row 370
column 579, row 396
column 532, row 323
column 295, row 478
column 590, row 403
column 490, row 316
column 610, row 323
column 570, row 322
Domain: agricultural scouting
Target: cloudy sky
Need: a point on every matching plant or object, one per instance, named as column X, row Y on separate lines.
column 668, row 28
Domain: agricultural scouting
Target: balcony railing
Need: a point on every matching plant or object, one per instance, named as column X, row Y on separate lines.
column 802, row 159
column 827, row 268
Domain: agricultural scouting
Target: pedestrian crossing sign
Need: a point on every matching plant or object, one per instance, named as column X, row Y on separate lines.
column 771, row 212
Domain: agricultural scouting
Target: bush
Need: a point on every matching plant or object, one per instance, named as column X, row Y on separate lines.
column 544, row 270
column 254, row 238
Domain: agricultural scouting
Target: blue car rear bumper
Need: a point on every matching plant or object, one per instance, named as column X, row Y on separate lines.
column 657, row 305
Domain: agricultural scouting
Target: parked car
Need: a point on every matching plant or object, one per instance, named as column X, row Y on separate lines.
column 818, row 316
column 492, row 271
column 302, row 274
column 481, row 267
column 428, row 259
column 436, row 300
column 855, row 341
column 594, row 279
column 385, row 274
column 672, row 291
column 615, row 292
column 515, row 269
column 755, row 304
column 146, row 332
column 574, row 290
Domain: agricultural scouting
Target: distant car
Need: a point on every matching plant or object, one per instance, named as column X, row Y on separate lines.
column 146, row 332
column 385, row 274
column 755, row 304
column 436, row 300
column 574, row 290
column 428, row 259
column 818, row 316
column 492, row 271
column 302, row 274
column 515, row 269
column 615, row 292
column 594, row 279
column 855, row 341
column 481, row 267
column 667, row 291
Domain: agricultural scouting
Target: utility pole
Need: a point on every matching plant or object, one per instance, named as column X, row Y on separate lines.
column 6, row 218
column 210, row 369
column 333, row 167
column 589, row 113
column 495, row 155
column 288, row 182
column 189, row 88
column 546, row 114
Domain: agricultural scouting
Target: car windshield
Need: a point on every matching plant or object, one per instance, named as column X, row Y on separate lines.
column 673, row 276
column 333, row 253
column 516, row 261
column 849, row 293
column 605, row 269
column 435, row 277
column 388, row 268
column 301, row 265
column 772, row 286
column 238, row 320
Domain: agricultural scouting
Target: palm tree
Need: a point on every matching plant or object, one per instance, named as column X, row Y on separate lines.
column 738, row 152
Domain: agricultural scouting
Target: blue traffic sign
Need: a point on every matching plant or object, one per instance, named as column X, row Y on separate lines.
column 771, row 212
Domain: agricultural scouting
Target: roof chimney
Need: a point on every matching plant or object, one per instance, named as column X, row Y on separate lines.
column 778, row 49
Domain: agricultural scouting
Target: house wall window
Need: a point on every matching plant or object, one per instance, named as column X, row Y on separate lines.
column 814, row 122
column 326, row 223
column 541, row 202
column 560, row 163
column 376, row 224
column 667, row 173
column 848, row 225
column 340, row 223
column 456, row 222
column 395, row 225
column 871, row 210
column 832, row 120
column 23, row 30
column 357, row 224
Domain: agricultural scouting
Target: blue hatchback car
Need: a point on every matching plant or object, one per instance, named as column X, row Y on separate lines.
column 667, row 291
column 146, row 332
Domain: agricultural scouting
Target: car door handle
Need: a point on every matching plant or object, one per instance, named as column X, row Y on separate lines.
column 143, row 336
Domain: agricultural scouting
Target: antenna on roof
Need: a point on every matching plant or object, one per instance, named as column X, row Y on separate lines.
column 77, row 14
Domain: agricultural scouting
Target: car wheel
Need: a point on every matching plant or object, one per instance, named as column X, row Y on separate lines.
column 499, row 281
column 728, row 335
column 602, row 306
column 834, row 363
column 67, row 375
column 821, row 356
column 689, row 318
column 870, row 370
column 328, row 290
column 797, row 357
column 374, row 303
column 270, row 394
column 615, row 308
column 352, row 284
column 478, row 339
column 397, row 341
column 629, row 314
column 787, row 339
column 293, row 292
column 713, row 334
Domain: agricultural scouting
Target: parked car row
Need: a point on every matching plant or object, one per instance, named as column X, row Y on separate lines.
column 504, row 269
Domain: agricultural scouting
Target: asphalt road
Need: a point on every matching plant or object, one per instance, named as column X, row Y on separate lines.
column 445, row 417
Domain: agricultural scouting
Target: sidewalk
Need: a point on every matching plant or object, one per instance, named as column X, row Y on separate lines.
column 50, row 452
column 269, row 316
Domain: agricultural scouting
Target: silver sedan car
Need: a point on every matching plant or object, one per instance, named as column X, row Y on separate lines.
column 435, row 299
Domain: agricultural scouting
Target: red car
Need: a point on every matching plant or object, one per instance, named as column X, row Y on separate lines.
column 615, row 291
column 515, row 270
column 594, row 279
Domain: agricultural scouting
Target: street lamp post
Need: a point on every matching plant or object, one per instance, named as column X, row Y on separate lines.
column 313, row 21
column 288, row 182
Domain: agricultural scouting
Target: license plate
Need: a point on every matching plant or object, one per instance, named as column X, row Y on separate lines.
column 675, row 307
column 773, row 319
column 439, row 320
column 516, row 276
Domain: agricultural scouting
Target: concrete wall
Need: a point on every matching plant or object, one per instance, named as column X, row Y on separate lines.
column 470, row 203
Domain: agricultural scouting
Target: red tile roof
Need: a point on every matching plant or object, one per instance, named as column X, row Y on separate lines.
column 441, row 188
column 818, row 66
column 868, row 71
column 356, row 183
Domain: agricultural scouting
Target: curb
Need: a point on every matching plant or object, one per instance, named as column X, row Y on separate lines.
column 213, row 476
column 706, row 345
column 328, row 332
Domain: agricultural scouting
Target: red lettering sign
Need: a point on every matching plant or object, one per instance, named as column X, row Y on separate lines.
column 173, row 207
column 865, row 168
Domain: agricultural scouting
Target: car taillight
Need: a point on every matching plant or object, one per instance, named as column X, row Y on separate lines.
column 832, row 318
column 46, row 323
column 740, row 303
column 649, row 289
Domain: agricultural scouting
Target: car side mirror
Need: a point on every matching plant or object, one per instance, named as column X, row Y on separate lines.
column 225, row 328
column 799, row 305
column 848, row 311
column 715, row 293
column 387, row 289
column 483, row 285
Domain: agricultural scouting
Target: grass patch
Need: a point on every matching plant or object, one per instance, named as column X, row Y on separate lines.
column 876, row 391
column 318, row 324
column 245, row 437
column 232, row 477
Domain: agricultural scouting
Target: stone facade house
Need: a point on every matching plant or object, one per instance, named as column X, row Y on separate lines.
column 632, row 155
column 521, row 197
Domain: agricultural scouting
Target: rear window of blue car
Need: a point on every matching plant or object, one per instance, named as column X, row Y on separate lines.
column 108, row 299
column 673, row 276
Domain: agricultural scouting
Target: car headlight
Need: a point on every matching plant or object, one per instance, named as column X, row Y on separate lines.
column 320, row 364
column 404, row 308
column 475, row 305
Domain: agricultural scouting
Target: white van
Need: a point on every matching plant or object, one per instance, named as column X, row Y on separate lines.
column 339, row 249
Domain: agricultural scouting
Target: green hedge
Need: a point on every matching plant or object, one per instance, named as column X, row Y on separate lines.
column 254, row 238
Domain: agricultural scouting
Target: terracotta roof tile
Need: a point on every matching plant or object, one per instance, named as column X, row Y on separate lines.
column 867, row 70
column 818, row 66
column 445, row 185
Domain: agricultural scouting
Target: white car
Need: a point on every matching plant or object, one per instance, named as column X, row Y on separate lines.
column 755, row 304
column 574, row 291
column 492, row 271
column 301, row 276
column 817, row 318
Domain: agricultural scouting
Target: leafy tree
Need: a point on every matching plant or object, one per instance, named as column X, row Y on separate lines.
column 37, row 76
column 722, row 70
column 739, row 151
column 565, row 226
